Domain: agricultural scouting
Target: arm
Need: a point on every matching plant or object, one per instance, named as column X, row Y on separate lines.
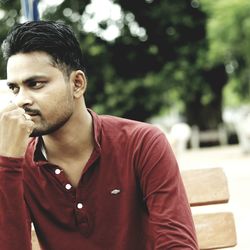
column 14, row 220
column 170, row 218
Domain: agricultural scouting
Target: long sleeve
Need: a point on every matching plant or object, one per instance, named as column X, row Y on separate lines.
column 170, row 218
column 14, row 219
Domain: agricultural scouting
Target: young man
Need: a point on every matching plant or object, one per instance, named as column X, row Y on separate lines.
column 85, row 181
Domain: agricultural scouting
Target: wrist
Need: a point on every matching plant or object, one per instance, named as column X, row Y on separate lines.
column 7, row 161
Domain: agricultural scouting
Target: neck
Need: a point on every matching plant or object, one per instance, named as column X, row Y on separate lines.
column 74, row 138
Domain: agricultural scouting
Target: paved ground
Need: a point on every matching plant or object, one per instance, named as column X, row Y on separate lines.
column 237, row 168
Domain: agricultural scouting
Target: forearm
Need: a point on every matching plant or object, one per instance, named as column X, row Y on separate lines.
column 14, row 222
column 170, row 217
column 170, row 220
column 171, row 226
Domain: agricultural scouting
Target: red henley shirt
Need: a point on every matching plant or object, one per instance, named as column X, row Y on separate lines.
column 130, row 195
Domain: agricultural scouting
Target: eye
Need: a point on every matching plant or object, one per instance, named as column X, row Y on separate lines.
column 14, row 88
column 36, row 84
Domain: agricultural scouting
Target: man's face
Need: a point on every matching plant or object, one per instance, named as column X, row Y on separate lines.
column 41, row 89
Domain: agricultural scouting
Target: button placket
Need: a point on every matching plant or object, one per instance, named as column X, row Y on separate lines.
column 79, row 205
column 68, row 186
column 82, row 218
column 57, row 171
column 81, row 211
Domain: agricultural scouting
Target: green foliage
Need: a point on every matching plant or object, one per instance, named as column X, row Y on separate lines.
column 169, row 54
column 9, row 15
column 229, row 34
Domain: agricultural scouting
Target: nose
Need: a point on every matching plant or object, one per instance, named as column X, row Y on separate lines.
column 23, row 98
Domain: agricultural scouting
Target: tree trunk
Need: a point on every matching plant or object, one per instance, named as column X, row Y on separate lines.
column 208, row 116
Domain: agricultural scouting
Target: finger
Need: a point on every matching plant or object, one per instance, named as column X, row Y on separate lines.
column 9, row 107
column 12, row 109
column 29, row 126
column 27, row 117
column 17, row 112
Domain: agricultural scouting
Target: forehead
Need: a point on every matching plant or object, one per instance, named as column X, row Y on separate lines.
column 24, row 65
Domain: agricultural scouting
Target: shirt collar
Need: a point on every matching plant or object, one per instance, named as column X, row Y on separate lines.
column 35, row 150
column 97, row 127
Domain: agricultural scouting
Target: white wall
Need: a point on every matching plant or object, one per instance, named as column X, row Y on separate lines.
column 5, row 94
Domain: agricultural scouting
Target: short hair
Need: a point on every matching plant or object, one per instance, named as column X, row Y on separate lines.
column 55, row 38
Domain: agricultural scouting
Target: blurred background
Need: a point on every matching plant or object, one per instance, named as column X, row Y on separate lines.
column 182, row 65
column 165, row 62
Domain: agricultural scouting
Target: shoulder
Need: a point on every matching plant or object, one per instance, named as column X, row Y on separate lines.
column 129, row 127
column 127, row 135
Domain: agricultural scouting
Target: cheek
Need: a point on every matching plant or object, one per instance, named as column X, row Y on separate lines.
column 58, row 104
column 55, row 100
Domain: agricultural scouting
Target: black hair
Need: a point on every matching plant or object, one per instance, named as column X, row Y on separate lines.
column 55, row 38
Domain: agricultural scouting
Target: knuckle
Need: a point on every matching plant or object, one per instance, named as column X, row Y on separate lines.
column 21, row 110
column 5, row 116
column 30, row 124
column 22, row 125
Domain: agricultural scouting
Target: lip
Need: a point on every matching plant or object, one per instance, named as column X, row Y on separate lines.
column 32, row 114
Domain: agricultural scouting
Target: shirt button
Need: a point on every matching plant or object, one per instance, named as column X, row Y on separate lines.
column 79, row 205
column 57, row 171
column 68, row 186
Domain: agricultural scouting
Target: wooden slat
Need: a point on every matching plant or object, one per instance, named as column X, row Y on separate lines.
column 206, row 186
column 215, row 230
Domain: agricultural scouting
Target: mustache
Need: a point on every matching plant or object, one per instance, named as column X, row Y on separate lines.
column 32, row 111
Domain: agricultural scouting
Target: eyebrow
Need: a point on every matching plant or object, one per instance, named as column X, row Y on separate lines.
column 28, row 80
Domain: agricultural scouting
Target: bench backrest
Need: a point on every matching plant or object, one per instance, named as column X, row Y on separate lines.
column 209, row 186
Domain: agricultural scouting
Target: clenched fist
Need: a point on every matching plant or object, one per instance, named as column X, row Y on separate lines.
column 15, row 128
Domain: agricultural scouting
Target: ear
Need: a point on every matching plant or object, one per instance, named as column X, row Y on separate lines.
column 79, row 83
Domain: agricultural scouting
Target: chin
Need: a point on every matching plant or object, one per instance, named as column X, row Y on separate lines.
column 37, row 133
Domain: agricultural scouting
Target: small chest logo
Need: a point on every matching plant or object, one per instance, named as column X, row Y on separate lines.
column 115, row 191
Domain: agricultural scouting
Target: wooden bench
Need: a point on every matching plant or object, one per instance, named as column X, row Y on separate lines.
column 218, row 135
column 215, row 230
